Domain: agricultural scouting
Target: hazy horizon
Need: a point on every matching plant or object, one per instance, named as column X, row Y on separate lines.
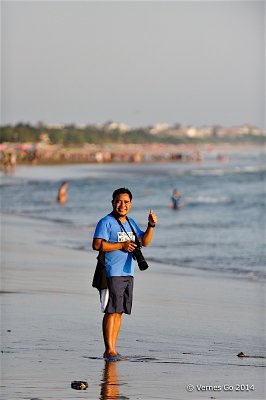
column 139, row 63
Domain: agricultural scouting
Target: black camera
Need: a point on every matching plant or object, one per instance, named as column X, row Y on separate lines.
column 138, row 256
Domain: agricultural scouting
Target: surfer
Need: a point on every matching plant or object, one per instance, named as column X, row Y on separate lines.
column 115, row 237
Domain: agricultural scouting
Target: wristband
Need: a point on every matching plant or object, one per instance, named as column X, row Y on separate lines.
column 150, row 225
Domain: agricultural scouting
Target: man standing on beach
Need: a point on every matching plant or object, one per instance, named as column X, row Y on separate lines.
column 114, row 236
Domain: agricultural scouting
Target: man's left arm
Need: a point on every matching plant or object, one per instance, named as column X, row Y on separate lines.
column 152, row 221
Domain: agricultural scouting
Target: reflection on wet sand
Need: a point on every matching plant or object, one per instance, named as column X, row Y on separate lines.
column 110, row 383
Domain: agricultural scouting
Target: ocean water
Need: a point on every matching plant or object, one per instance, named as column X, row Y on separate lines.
column 221, row 227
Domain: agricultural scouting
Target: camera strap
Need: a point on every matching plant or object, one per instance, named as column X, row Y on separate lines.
column 123, row 228
column 138, row 255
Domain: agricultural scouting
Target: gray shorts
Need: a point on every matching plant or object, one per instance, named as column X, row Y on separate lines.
column 120, row 297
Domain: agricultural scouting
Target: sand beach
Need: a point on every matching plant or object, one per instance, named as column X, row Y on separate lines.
column 186, row 327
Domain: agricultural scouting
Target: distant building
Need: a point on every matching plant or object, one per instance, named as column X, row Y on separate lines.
column 193, row 132
column 114, row 126
column 159, row 128
column 249, row 130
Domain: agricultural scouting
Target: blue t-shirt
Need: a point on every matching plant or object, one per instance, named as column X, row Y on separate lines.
column 117, row 262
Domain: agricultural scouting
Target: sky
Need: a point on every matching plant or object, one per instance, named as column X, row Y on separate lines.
column 139, row 63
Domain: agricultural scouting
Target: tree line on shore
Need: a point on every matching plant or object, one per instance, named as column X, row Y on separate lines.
column 73, row 135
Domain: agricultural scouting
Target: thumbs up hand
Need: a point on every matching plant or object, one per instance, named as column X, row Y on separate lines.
column 152, row 218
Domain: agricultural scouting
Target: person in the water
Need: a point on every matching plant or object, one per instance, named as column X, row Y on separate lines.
column 176, row 200
column 62, row 193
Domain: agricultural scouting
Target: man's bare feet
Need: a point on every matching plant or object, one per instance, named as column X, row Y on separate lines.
column 109, row 357
column 110, row 354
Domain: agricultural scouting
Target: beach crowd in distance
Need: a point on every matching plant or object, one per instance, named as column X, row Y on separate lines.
column 40, row 153
column 12, row 154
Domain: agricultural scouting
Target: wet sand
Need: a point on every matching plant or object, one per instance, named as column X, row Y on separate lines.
column 186, row 327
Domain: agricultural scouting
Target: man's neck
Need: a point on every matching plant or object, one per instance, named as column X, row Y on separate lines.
column 122, row 218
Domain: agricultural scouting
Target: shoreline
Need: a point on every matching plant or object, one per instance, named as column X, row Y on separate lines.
column 184, row 329
column 178, row 269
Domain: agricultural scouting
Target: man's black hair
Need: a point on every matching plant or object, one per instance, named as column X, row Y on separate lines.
column 124, row 190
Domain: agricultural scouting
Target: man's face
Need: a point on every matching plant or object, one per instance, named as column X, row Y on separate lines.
column 122, row 204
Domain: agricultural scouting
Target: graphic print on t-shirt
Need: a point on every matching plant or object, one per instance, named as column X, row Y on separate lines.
column 123, row 236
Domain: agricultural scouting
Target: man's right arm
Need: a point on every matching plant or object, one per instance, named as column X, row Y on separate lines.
column 102, row 245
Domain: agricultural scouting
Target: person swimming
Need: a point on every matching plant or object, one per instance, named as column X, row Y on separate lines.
column 176, row 200
column 62, row 193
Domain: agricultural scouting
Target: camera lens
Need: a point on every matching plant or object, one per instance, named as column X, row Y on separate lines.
column 138, row 256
